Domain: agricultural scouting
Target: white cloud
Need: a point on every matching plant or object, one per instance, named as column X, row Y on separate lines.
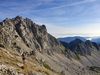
column 57, row 18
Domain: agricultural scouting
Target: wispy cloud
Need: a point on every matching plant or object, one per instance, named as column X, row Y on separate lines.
column 72, row 4
column 73, row 17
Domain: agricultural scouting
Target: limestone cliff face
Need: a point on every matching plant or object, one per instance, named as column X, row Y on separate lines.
column 24, row 35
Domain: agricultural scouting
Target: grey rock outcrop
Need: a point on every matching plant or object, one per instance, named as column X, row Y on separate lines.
column 96, row 46
column 18, row 33
column 4, row 70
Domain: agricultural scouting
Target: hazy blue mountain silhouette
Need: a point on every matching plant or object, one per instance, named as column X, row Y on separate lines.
column 96, row 40
column 69, row 39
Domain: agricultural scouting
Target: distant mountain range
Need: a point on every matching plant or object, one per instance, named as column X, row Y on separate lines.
column 69, row 39
column 80, row 45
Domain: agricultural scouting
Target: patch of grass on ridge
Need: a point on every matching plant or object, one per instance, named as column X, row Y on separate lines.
column 64, row 48
column 46, row 66
column 77, row 56
column 95, row 69
column 47, row 73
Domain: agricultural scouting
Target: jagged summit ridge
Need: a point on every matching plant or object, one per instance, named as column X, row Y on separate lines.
column 83, row 48
column 73, row 43
column 34, row 36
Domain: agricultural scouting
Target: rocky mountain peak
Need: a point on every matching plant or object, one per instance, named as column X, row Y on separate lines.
column 82, row 48
column 74, row 43
column 89, row 43
column 7, row 21
column 21, row 32
column 18, row 17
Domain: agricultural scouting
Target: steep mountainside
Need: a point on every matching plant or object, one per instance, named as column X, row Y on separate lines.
column 25, row 35
column 45, row 55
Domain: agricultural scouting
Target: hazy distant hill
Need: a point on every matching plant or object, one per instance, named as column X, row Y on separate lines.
column 96, row 40
column 69, row 39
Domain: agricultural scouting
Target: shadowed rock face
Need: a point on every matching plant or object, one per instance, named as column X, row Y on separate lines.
column 18, row 31
column 83, row 48
column 96, row 46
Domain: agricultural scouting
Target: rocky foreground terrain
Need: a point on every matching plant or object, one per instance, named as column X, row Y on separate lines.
column 45, row 55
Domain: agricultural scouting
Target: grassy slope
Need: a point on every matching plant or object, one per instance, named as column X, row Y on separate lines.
column 11, row 59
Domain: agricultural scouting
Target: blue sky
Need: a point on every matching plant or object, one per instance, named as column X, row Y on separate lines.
column 61, row 17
